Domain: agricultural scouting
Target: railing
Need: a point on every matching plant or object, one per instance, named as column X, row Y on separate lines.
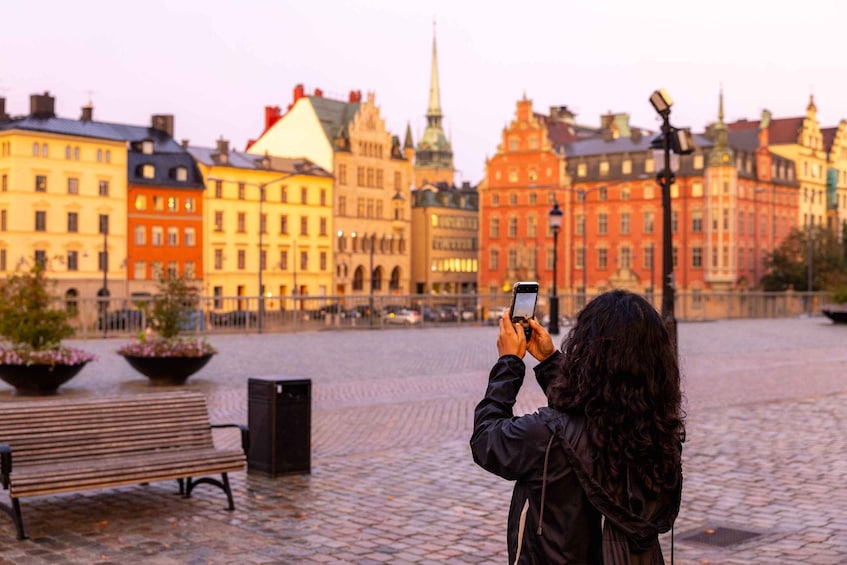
column 119, row 317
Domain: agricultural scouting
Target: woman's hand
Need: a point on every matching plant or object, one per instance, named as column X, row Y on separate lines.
column 540, row 344
column 511, row 339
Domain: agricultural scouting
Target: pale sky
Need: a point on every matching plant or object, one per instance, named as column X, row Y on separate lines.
column 215, row 65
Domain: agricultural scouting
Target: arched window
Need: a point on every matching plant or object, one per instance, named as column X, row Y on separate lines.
column 358, row 278
column 377, row 278
column 71, row 305
column 394, row 283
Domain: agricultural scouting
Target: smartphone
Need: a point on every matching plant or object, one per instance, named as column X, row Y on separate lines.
column 524, row 297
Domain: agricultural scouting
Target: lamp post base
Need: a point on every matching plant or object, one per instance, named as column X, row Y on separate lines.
column 553, row 325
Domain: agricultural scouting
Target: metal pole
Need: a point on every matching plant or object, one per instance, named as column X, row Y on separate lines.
column 105, row 228
column 810, row 253
column 261, row 264
column 584, row 247
column 667, row 234
column 553, row 326
column 371, row 294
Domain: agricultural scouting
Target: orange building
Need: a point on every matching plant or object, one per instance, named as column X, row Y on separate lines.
column 165, row 212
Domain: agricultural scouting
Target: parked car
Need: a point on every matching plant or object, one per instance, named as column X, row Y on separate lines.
column 123, row 320
column 233, row 319
column 404, row 317
column 494, row 315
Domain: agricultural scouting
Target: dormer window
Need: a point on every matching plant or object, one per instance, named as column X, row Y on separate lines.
column 181, row 174
column 148, row 171
column 147, row 147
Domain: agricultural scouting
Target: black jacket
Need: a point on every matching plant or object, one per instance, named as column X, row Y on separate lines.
column 560, row 494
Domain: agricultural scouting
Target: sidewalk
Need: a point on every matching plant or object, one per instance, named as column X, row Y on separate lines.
column 392, row 479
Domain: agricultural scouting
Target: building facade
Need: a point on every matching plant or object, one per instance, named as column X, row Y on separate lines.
column 267, row 219
column 445, row 245
column 373, row 172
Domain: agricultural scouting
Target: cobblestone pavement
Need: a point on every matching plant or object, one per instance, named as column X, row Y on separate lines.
column 392, row 479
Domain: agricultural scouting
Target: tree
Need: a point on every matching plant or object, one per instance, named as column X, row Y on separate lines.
column 28, row 315
column 788, row 265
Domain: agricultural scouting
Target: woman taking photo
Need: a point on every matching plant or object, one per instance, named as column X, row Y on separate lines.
column 608, row 444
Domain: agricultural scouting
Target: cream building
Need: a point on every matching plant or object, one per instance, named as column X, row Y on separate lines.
column 371, row 203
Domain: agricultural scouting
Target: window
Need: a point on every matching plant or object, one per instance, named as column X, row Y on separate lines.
column 602, row 194
column 283, row 224
column 304, row 195
column 283, row 260
column 73, row 260
column 148, row 171
column 602, row 224
column 241, row 223
column 73, row 185
column 697, row 221
column 219, row 259
column 513, row 227
column 40, row 183
column 512, row 260
column 173, row 204
column 532, row 226
column 190, row 270
column 103, row 188
column 304, row 225
column 35, row 149
column 675, row 221
column 41, row 257
column 323, row 197
column 103, row 224
column 241, row 191
column 140, row 271
column 189, row 204
column 626, row 258
column 626, row 167
column 2, row 220
column 304, row 260
column 493, row 259
column 158, row 236
column 40, row 221
column 140, row 202
column 494, row 228
column 580, row 224
column 579, row 259
column 219, row 189
column 581, row 170
column 147, row 147
column 108, row 155
column 283, row 194
column 67, row 151
column 4, row 183
column 190, row 237
column 698, row 161
column 648, row 257
column 156, row 267
column 625, row 223
column 263, row 259
column 242, row 259
column 649, row 222
column 173, row 269
column 342, row 174
column 495, row 200
column 323, row 226
column 602, row 258
column 181, row 174
column 173, row 236
column 398, row 180
column 103, row 261
column 322, row 261
column 99, row 155
column 73, row 222
column 140, row 235
column 219, row 221
column 604, row 168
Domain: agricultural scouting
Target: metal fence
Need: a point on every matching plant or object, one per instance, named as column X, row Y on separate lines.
column 120, row 317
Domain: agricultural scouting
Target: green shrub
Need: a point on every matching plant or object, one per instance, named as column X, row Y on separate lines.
column 28, row 313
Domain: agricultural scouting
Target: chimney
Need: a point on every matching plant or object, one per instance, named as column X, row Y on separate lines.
column 184, row 143
column 163, row 123
column 635, row 135
column 3, row 114
column 87, row 113
column 42, row 106
column 299, row 92
column 318, row 92
column 223, row 146
column 355, row 96
column 272, row 116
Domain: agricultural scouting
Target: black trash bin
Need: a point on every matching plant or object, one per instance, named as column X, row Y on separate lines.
column 279, row 415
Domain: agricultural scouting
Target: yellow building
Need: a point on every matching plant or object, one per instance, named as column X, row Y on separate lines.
column 445, row 244
column 371, row 197
column 63, row 199
column 292, row 227
column 835, row 141
column 801, row 140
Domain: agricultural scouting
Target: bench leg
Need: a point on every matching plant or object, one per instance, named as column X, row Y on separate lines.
column 15, row 513
column 223, row 484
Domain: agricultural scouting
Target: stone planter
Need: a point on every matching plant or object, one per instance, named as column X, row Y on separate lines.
column 837, row 314
column 38, row 380
column 166, row 371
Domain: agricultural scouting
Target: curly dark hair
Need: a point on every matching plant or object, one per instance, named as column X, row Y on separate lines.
column 620, row 372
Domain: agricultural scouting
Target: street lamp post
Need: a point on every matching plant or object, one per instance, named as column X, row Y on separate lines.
column 681, row 142
column 555, row 218
column 104, row 227
column 371, row 240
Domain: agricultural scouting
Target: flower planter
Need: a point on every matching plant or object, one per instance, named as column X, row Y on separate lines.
column 38, row 380
column 164, row 371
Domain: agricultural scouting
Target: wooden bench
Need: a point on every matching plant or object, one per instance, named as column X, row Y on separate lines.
column 64, row 445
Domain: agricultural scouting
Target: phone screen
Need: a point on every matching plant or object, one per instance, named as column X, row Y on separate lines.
column 524, row 305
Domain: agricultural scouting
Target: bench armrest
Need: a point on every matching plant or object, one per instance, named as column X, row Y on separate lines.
column 5, row 464
column 245, row 434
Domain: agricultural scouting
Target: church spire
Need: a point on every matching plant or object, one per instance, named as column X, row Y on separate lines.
column 433, row 112
column 721, row 153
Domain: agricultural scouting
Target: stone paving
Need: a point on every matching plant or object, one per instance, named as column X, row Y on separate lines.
column 392, row 479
